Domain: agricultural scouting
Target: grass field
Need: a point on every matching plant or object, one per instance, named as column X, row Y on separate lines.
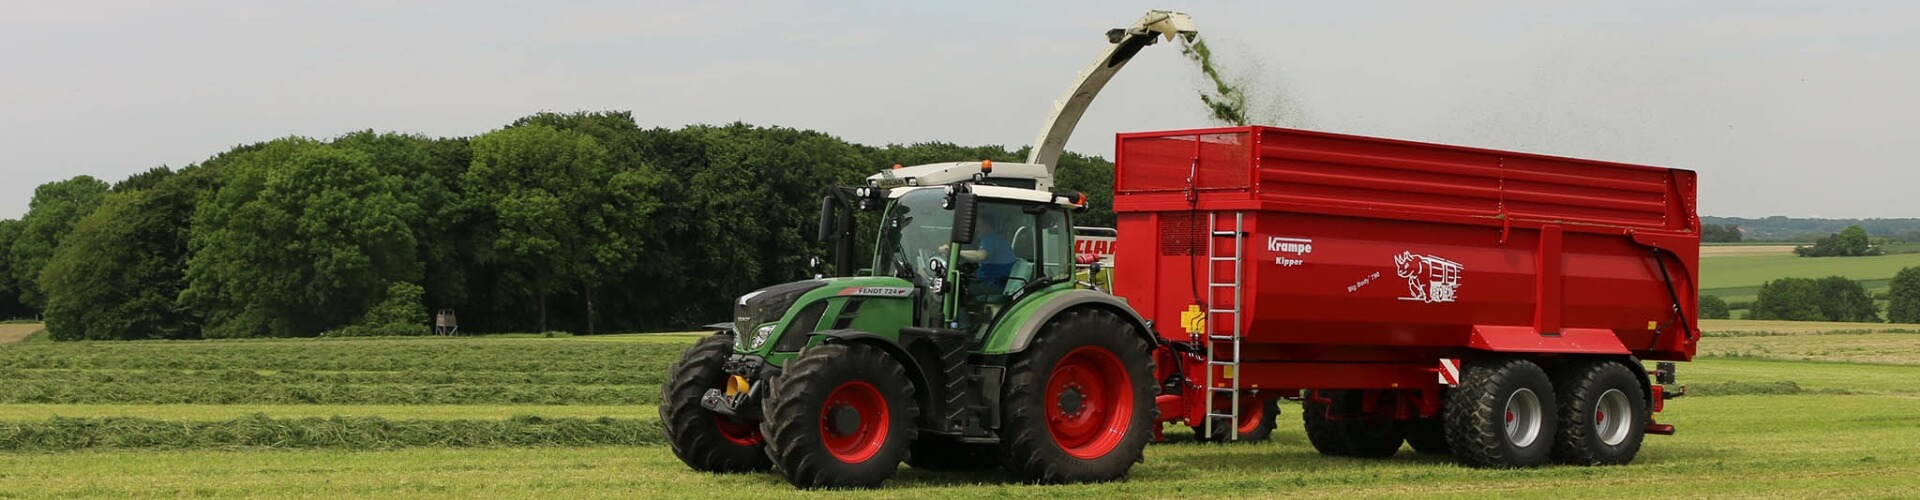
column 1785, row 410
column 1738, row 278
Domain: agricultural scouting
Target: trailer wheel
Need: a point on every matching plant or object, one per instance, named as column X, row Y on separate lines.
column 841, row 416
column 1428, row 435
column 1079, row 401
column 1338, row 429
column 1501, row 415
column 943, row 453
column 1603, row 414
column 1257, row 420
column 705, row 440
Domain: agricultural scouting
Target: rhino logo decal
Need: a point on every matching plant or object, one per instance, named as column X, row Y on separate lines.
column 1430, row 279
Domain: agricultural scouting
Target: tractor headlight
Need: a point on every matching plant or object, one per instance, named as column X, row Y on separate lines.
column 765, row 305
column 760, row 336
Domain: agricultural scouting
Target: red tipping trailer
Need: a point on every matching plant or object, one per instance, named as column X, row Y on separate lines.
column 1491, row 304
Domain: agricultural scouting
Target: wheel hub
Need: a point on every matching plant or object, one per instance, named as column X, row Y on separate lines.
column 1072, row 400
column 843, row 419
column 1524, row 417
column 1610, row 421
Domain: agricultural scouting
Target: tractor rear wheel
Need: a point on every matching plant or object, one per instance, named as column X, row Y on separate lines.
column 1338, row 427
column 1258, row 417
column 1603, row 414
column 705, row 440
column 842, row 415
column 1502, row 415
column 1079, row 401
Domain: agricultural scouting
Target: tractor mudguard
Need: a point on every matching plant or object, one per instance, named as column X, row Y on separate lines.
column 1020, row 325
column 936, row 361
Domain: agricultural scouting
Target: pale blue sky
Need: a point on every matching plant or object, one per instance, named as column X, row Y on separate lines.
column 1785, row 108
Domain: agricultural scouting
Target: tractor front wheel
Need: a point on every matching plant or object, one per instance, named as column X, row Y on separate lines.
column 705, row 440
column 840, row 416
column 1079, row 401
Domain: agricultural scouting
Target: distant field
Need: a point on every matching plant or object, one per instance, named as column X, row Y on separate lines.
column 15, row 332
column 1744, row 250
column 1881, row 348
column 1738, row 278
column 1740, row 327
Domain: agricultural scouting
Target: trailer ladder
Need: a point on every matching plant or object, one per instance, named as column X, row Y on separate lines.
column 1223, row 344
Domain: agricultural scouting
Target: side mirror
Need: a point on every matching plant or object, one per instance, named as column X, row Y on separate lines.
column 827, row 219
column 965, row 214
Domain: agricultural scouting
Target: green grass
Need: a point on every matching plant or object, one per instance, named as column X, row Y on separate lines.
column 624, row 369
column 15, row 412
column 354, row 433
column 1730, row 275
column 1781, row 409
column 1802, row 446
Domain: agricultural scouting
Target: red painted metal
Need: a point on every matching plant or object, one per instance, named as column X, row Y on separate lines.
column 1089, row 402
column 1369, row 259
column 738, row 433
column 875, row 422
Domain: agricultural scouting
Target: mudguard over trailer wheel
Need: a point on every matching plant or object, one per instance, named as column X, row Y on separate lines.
column 705, row 440
column 1257, row 420
column 1603, row 414
column 842, row 415
column 1338, row 429
column 1502, row 415
column 1079, row 401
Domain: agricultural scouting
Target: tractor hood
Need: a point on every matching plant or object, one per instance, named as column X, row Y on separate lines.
column 761, row 314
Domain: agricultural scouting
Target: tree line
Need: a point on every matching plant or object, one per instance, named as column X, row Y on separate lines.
column 1833, row 298
column 1791, row 229
column 581, row 222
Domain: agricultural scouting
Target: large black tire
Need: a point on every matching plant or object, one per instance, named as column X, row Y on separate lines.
column 1090, row 369
column 1603, row 414
column 942, row 453
column 1257, row 421
column 703, row 439
column 1480, row 429
column 841, row 416
column 1428, row 435
column 1337, row 429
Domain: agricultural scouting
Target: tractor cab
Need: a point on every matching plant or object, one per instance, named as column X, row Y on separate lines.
column 973, row 250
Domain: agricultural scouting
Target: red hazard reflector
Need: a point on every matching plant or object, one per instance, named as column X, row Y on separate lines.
column 1449, row 371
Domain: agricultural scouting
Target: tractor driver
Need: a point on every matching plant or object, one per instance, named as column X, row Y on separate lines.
column 993, row 250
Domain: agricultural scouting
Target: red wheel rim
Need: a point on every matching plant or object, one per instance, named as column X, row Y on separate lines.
column 738, row 433
column 1089, row 403
column 1250, row 416
column 875, row 420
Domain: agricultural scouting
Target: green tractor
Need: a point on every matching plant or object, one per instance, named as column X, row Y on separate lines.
column 968, row 343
